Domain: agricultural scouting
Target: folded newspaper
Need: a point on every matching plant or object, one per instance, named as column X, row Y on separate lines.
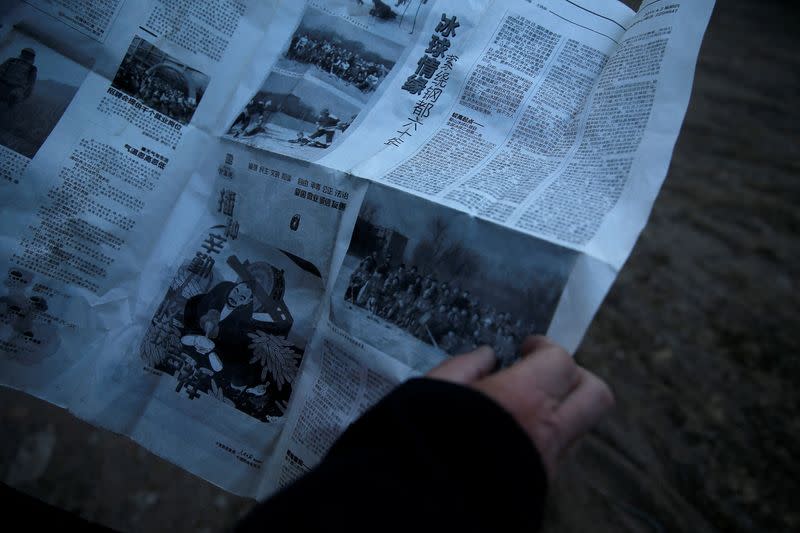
column 230, row 226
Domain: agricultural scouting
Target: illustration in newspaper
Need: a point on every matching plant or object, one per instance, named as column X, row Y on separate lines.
column 235, row 319
column 224, row 328
column 416, row 272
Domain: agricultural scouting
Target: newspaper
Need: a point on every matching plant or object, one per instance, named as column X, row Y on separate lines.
column 231, row 226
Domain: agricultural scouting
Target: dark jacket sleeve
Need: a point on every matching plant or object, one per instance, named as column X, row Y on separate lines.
column 431, row 456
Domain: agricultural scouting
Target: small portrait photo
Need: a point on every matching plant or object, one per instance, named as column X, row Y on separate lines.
column 37, row 85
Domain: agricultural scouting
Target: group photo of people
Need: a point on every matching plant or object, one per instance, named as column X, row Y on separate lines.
column 443, row 278
column 339, row 60
column 439, row 312
column 341, row 54
column 324, row 77
column 160, row 81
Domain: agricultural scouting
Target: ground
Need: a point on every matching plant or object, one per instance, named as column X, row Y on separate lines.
column 698, row 338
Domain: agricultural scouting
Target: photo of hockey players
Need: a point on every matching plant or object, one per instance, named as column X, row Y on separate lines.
column 36, row 86
column 444, row 279
column 394, row 19
column 299, row 117
column 160, row 81
column 323, row 79
column 234, row 324
column 339, row 53
column 391, row 10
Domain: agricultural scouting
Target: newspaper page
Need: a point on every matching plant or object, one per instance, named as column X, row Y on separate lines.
column 230, row 226
column 342, row 378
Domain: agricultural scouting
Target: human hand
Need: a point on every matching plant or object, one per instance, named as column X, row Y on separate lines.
column 554, row 399
column 210, row 323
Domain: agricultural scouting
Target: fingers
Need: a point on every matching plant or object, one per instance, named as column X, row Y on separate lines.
column 466, row 368
column 533, row 342
column 548, row 367
column 584, row 407
column 552, row 398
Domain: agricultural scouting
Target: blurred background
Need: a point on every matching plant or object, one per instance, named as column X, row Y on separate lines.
column 698, row 338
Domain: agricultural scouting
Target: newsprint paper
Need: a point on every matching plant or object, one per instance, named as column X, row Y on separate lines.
column 230, row 226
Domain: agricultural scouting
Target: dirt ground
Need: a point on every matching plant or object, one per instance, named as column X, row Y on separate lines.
column 698, row 338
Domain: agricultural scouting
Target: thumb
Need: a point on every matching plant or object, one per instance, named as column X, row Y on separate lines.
column 465, row 368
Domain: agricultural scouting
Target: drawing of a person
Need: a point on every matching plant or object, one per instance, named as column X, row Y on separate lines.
column 220, row 321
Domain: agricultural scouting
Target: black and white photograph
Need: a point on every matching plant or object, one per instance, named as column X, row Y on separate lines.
column 328, row 72
column 393, row 19
column 434, row 279
column 343, row 55
column 299, row 117
column 234, row 323
column 37, row 85
column 160, row 81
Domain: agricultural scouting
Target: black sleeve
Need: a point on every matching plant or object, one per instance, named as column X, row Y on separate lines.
column 431, row 456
